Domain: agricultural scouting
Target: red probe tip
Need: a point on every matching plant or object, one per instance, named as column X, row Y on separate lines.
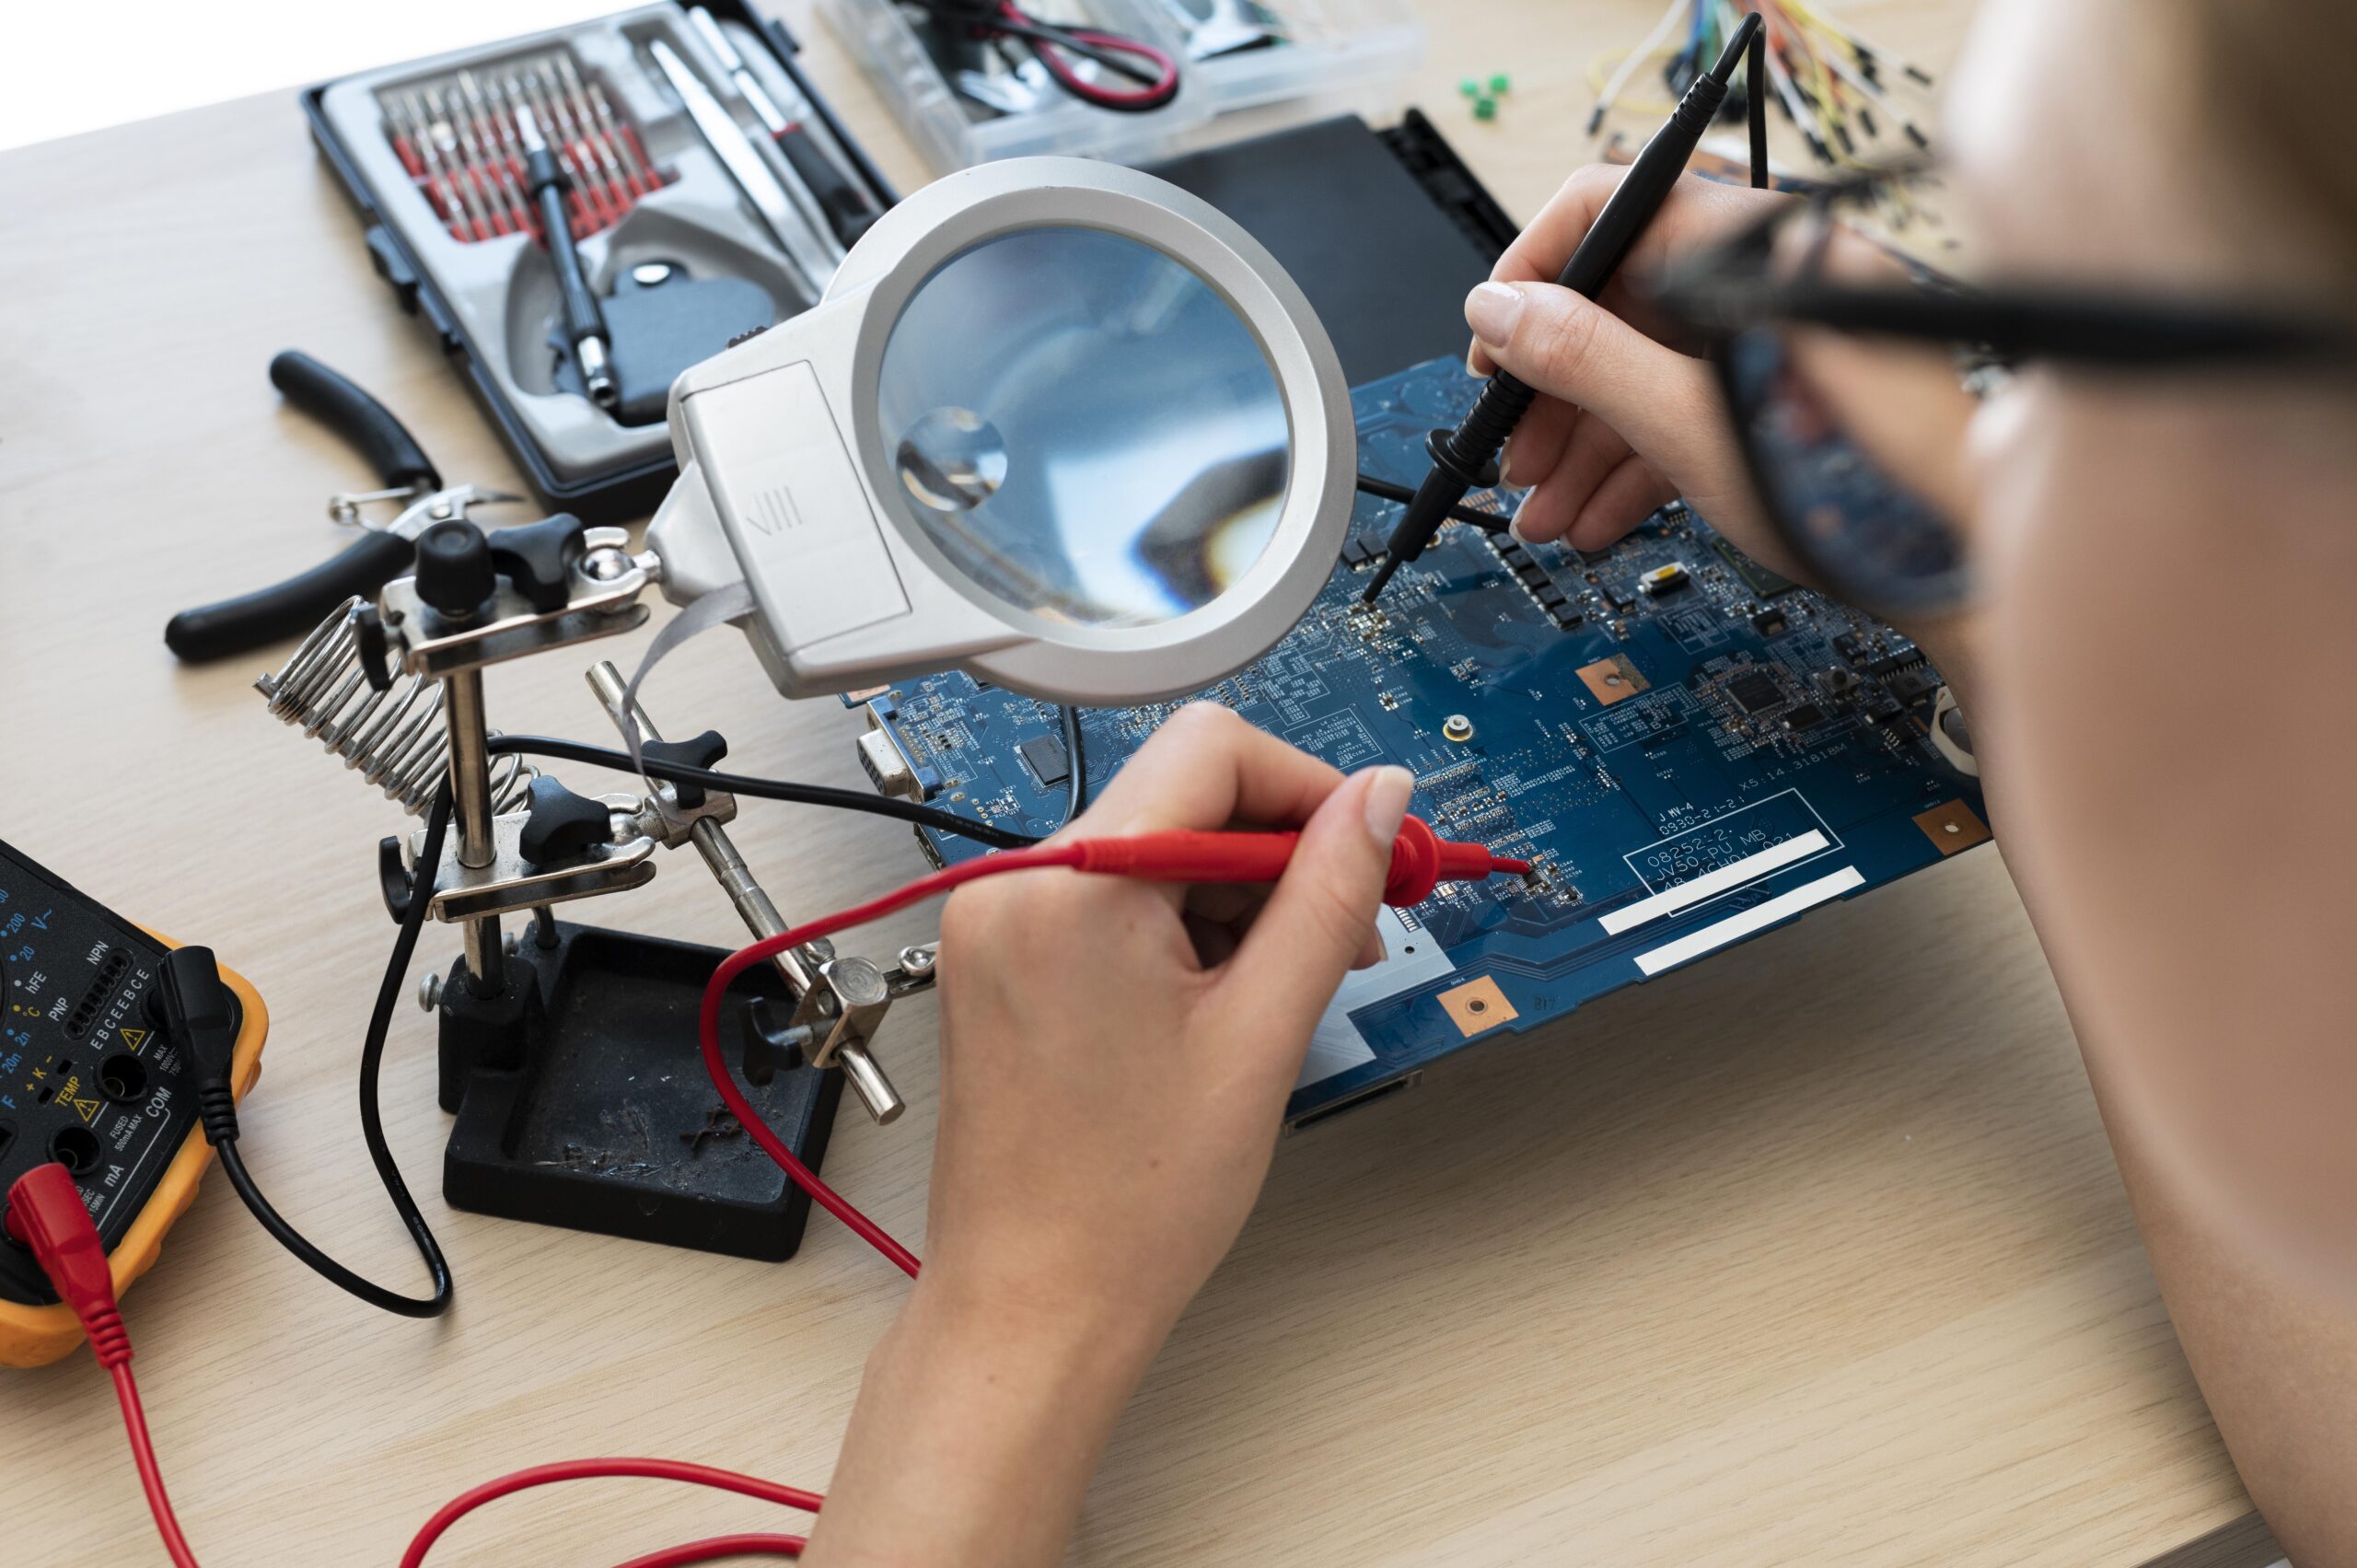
column 1422, row 860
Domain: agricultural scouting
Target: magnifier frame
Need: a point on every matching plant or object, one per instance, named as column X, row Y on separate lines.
column 849, row 601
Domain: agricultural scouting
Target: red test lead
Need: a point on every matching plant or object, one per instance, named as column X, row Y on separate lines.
column 1420, row 859
column 46, row 1214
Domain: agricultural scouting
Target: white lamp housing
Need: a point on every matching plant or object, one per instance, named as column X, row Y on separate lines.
column 1056, row 421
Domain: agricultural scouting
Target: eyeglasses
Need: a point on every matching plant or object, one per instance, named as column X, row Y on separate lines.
column 1853, row 432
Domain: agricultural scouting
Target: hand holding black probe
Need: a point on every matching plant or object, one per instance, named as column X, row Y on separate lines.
column 1466, row 457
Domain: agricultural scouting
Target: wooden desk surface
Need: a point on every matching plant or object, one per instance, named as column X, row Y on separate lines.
column 1812, row 1251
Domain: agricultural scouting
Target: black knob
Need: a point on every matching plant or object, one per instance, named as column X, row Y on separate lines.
column 771, row 1045
column 455, row 573
column 368, row 637
column 563, row 824
column 703, row 751
column 538, row 558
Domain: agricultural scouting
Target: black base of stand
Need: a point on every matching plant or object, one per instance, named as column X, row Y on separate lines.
column 582, row 1101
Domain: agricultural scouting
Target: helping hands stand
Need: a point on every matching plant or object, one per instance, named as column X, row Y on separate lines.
column 568, row 1052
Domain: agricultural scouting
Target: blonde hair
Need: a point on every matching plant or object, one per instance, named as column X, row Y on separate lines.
column 2269, row 99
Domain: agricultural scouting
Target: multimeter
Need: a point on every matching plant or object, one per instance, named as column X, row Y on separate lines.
column 91, row 1077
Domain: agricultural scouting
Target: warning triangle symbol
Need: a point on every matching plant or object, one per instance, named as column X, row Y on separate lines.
column 86, row 1109
column 134, row 1037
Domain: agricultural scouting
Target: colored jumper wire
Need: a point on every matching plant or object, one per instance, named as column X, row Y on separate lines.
column 1466, row 457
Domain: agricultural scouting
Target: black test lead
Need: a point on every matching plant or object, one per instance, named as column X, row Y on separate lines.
column 1466, row 457
column 584, row 324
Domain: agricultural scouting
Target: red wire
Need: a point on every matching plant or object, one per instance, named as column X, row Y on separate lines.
column 715, row 991
column 1164, row 87
column 466, row 1502
column 135, row 1419
column 718, row 1547
column 151, row 1477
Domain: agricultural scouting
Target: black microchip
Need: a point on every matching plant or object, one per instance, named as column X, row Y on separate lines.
column 1045, row 754
column 1566, row 619
column 1552, row 597
column 1754, row 691
column 1808, row 715
column 1769, row 623
column 1913, row 682
column 1851, row 646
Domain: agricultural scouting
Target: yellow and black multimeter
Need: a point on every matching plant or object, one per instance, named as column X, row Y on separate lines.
column 91, row 1078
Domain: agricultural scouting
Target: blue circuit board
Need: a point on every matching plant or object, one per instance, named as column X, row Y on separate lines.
column 1689, row 749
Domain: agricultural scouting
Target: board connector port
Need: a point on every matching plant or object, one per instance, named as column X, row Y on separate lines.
column 85, row 1011
column 888, row 769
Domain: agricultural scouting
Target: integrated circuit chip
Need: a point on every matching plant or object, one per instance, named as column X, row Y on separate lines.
column 1755, row 691
column 1045, row 756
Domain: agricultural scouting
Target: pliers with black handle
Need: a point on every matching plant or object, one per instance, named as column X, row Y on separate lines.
column 294, row 606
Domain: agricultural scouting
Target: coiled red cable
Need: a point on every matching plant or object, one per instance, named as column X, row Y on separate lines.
column 466, row 1502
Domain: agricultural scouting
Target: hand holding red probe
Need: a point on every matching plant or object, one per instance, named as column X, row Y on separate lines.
column 1116, row 1057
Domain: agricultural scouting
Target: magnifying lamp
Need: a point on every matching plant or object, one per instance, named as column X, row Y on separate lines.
column 1056, row 423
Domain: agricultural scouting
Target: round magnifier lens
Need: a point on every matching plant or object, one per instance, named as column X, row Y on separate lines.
column 1084, row 427
column 1873, row 538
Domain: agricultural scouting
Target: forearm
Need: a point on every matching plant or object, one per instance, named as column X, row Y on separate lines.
column 978, row 1426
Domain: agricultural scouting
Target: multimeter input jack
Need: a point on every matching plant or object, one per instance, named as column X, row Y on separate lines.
column 75, row 1148
column 122, row 1079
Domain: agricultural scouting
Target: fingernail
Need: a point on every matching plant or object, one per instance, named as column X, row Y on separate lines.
column 1514, row 524
column 1387, row 803
column 1491, row 310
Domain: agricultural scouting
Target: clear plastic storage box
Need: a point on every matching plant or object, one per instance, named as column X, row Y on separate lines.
column 1246, row 66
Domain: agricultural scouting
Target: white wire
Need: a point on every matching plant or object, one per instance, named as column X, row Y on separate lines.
column 1639, row 55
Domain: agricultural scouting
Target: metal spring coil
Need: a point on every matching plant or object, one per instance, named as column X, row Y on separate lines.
column 394, row 739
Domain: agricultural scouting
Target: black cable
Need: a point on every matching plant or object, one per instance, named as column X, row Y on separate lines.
column 372, row 1120
column 1076, row 761
column 1384, row 490
column 1755, row 82
column 760, row 789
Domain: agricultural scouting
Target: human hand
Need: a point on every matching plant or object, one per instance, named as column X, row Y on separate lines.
column 1625, row 420
column 1116, row 1054
column 1115, row 1059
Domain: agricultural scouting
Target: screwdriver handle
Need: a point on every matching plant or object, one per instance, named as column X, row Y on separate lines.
column 545, row 178
column 338, row 402
column 849, row 212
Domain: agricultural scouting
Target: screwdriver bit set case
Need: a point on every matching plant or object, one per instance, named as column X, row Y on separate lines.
column 707, row 193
